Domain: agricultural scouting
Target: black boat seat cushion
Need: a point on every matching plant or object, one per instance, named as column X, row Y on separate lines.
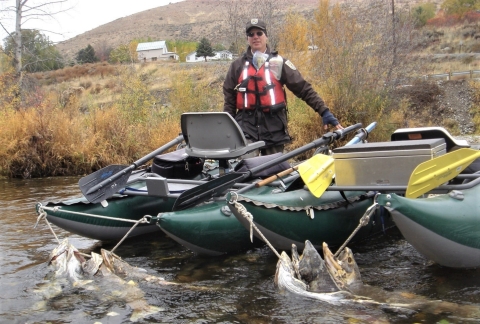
column 246, row 165
column 177, row 165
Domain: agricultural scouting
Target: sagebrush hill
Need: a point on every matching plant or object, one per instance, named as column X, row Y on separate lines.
column 186, row 20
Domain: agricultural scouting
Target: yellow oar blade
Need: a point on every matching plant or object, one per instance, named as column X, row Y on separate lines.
column 317, row 173
column 432, row 173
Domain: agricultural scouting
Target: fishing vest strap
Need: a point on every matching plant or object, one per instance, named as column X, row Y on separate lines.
column 269, row 87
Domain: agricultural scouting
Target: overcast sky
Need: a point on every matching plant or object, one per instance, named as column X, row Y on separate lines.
column 84, row 16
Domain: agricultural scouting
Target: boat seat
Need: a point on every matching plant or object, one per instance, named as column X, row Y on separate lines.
column 215, row 135
column 416, row 133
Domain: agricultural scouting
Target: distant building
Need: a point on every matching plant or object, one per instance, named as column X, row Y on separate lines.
column 219, row 56
column 191, row 58
column 154, row 51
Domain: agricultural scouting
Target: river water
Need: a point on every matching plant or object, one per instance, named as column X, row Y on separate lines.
column 229, row 289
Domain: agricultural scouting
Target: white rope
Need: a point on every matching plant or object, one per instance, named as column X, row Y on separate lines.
column 43, row 215
column 55, row 209
column 244, row 212
column 144, row 219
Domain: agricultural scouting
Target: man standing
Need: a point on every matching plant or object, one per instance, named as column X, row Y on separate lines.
column 255, row 97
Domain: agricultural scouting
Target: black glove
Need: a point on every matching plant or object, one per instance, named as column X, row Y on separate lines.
column 328, row 118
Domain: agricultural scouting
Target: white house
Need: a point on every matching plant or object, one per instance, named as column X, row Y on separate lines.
column 191, row 58
column 153, row 51
column 219, row 56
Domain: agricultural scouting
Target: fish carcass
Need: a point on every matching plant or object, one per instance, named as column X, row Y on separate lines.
column 307, row 276
column 104, row 275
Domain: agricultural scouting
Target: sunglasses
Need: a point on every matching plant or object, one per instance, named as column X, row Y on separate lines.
column 259, row 34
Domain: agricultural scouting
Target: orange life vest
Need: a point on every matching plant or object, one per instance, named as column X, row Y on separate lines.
column 259, row 89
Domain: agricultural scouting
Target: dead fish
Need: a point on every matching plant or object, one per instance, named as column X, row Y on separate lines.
column 121, row 268
column 311, row 270
column 66, row 260
column 105, row 273
column 346, row 274
column 343, row 270
column 286, row 281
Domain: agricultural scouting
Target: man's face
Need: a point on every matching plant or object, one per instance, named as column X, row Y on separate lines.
column 257, row 39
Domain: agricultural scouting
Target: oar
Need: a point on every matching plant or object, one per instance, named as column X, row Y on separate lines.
column 317, row 163
column 274, row 177
column 203, row 192
column 318, row 171
column 104, row 183
column 432, row 173
column 362, row 134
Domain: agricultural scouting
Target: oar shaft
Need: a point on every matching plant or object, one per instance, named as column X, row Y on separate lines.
column 328, row 138
column 135, row 164
column 362, row 134
column 275, row 177
column 201, row 193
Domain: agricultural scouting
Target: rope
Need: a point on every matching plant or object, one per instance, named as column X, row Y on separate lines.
column 55, row 209
column 244, row 212
column 144, row 219
column 43, row 215
column 363, row 221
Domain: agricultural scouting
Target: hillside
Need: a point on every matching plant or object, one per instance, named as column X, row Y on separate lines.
column 185, row 20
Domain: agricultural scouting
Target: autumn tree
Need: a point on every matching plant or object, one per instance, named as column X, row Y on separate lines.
column 27, row 10
column 102, row 50
column 356, row 56
column 237, row 12
column 38, row 52
column 181, row 47
column 125, row 53
column 204, row 49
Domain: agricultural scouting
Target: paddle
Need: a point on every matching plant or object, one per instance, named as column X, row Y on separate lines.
column 317, row 163
column 362, row 134
column 203, row 192
column 432, row 173
column 104, row 183
column 318, row 171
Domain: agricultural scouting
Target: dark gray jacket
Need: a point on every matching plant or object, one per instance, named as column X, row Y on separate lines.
column 269, row 127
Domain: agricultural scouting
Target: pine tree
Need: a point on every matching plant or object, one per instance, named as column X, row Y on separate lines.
column 204, row 49
column 86, row 55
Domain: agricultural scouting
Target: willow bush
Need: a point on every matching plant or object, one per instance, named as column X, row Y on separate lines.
column 352, row 66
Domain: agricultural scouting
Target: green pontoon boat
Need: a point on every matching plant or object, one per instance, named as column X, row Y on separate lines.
column 210, row 228
column 293, row 216
column 122, row 201
column 445, row 228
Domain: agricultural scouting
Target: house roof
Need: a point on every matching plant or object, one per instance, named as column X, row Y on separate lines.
column 151, row 46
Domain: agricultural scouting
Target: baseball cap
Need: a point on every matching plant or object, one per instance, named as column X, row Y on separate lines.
column 257, row 23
